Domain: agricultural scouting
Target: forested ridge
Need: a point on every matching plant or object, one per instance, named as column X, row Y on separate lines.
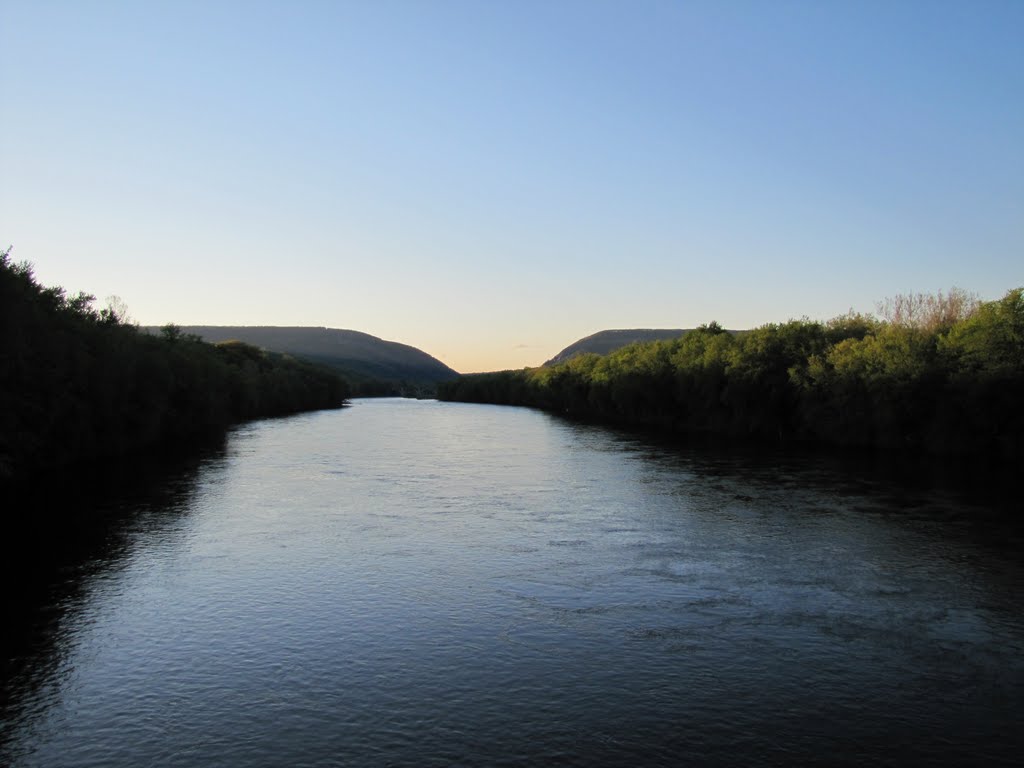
column 372, row 366
column 937, row 374
column 79, row 384
column 606, row 342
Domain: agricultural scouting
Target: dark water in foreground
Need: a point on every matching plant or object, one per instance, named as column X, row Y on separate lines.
column 418, row 583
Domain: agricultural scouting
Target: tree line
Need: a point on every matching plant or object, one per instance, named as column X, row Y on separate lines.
column 937, row 374
column 79, row 384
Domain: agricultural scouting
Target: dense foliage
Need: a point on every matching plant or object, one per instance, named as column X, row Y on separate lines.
column 79, row 384
column 941, row 375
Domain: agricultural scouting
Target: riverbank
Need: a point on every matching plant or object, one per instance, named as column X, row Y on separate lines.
column 81, row 385
column 941, row 385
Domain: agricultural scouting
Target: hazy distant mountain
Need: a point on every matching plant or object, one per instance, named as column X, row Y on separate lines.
column 603, row 342
column 360, row 356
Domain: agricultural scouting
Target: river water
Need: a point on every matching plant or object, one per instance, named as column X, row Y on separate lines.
column 406, row 583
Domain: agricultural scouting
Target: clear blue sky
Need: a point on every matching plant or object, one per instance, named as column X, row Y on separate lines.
column 490, row 181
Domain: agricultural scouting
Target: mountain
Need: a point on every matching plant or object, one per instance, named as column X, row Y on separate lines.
column 374, row 366
column 603, row 342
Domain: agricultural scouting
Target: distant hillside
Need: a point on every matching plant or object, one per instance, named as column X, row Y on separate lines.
column 374, row 366
column 603, row 342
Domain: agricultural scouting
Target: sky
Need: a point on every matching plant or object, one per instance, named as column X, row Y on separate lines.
column 490, row 181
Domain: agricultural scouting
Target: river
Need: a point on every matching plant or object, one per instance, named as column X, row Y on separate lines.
column 414, row 583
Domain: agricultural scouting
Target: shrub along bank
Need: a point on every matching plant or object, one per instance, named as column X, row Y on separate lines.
column 79, row 384
column 940, row 375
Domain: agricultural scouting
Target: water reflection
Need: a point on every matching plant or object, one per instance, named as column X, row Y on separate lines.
column 430, row 584
column 63, row 535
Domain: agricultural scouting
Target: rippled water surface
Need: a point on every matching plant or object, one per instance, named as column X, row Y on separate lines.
column 418, row 583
